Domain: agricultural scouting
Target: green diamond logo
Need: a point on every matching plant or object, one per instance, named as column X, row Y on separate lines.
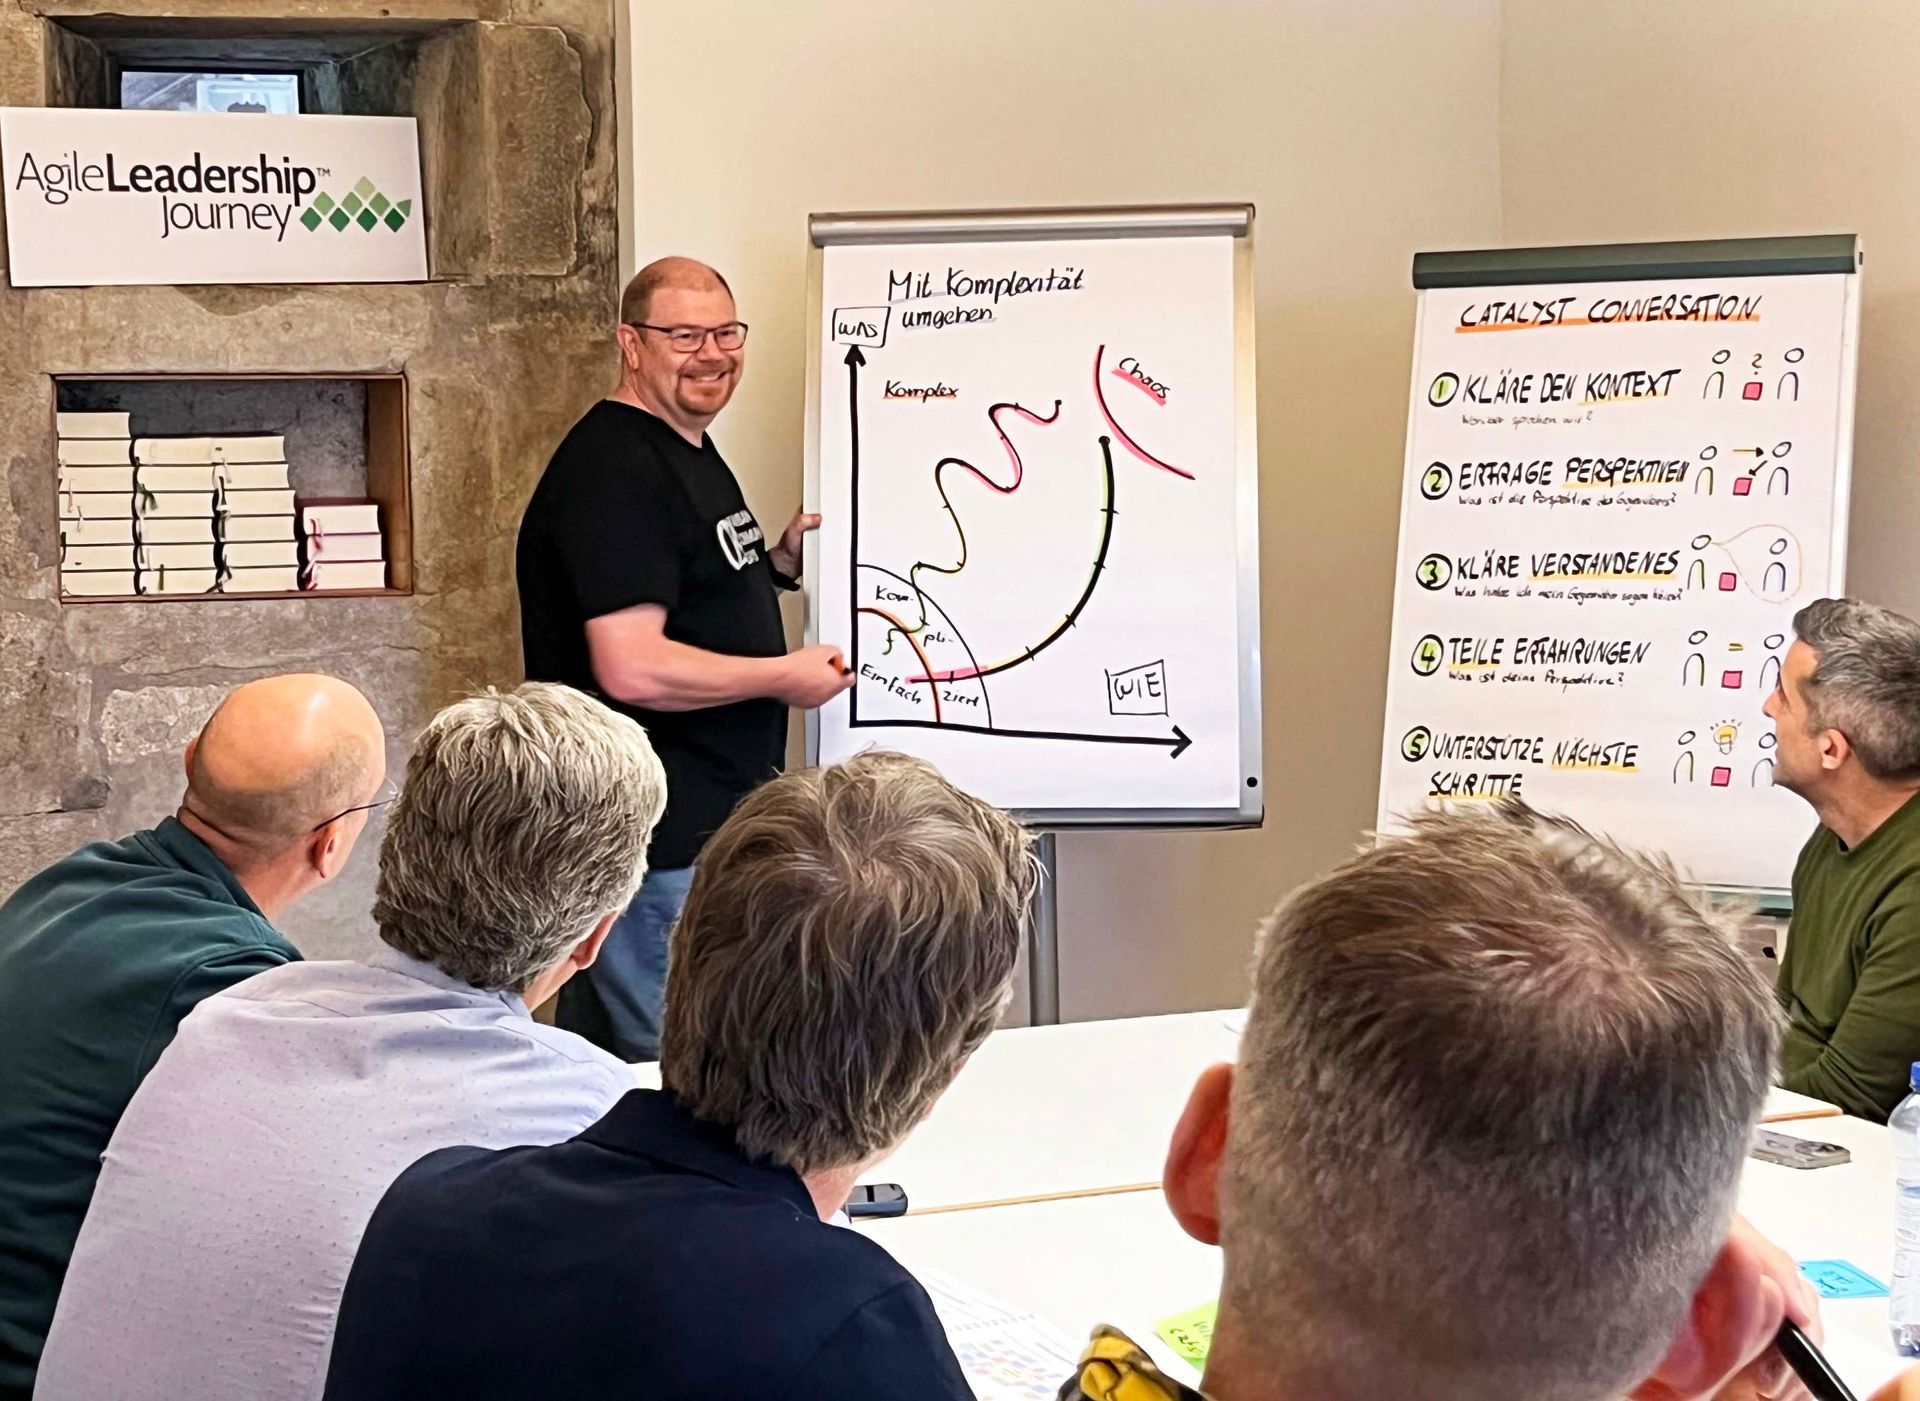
column 363, row 205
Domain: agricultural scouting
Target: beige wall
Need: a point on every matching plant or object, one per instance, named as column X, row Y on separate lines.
column 1362, row 129
column 1644, row 119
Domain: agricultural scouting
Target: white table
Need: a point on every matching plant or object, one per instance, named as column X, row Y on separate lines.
column 1837, row 1213
column 1089, row 1107
column 1122, row 1259
column 1035, row 1178
column 1051, row 1111
column 1118, row 1258
column 1785, row 1106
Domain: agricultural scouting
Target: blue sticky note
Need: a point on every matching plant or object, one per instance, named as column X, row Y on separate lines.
column 1836, row 1279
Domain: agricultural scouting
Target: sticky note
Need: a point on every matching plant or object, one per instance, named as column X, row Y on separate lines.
column 1730, row 680
column 1743, row 486
column 1729, row 581
column 1191, row 1333
column 1722, row 777
column 1751, row 390
column 1837, row 1279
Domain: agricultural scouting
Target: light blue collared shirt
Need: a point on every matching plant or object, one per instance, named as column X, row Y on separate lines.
column 237, row 1185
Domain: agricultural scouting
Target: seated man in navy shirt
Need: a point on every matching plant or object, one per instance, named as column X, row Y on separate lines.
column 848, row 941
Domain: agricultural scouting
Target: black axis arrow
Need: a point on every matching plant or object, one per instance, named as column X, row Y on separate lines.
column 853, row 362
column 1177, row 743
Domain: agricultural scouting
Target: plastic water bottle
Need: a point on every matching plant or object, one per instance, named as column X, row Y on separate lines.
column 1904, row 1307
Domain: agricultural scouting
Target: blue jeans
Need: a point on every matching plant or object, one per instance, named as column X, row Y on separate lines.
column 616, row 1003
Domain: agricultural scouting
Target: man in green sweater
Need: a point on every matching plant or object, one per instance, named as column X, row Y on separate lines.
column 1846, row 713
column 104, row 952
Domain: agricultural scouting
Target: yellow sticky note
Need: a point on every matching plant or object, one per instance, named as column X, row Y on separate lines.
column 1191, row 1333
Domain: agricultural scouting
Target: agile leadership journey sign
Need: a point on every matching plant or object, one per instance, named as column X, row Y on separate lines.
column 97, row 197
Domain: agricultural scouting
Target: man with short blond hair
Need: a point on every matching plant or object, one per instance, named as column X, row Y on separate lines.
column 645, row 579
column 239, row 1179
column 104, row 952
column 1482, row 1143
column 849, row 940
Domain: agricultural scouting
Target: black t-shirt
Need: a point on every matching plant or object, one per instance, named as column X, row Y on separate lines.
column 629, row 512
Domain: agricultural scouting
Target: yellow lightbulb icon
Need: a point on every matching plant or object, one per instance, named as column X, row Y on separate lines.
column 1725, row 733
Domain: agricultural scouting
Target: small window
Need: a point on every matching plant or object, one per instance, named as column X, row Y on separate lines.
column 151, row 90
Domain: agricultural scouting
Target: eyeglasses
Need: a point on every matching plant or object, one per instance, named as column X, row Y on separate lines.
column 687, row 339
column 387, row 795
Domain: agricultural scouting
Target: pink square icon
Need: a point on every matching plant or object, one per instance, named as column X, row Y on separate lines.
column 1730, row 680
column 1743, row 486
column 1752, row 390
column 1722, row 777
column 1729, row 581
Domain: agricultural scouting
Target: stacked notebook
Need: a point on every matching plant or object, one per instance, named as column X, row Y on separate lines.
column 96, row 503
column 254, row 515
column 201, row 514
column 173, row 492
column 344, row 547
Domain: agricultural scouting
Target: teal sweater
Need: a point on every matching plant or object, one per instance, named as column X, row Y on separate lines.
column 101, row 955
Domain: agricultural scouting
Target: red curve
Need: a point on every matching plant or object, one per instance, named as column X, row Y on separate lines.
column 1128, row 443
column 913, row 642
column 1013, row 456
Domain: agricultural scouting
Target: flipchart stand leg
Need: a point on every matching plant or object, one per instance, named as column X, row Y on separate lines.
column 1043, row 949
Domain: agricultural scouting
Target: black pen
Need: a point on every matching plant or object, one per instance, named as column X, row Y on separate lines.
column 1808, row 1364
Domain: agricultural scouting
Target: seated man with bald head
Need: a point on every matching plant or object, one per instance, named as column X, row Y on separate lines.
column 104, row 952
column 241, row 1175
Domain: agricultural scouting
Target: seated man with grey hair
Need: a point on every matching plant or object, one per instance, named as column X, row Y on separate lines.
column 240, row 1177
column 1482, row 1143
column 1846, row 720
column 849, row 939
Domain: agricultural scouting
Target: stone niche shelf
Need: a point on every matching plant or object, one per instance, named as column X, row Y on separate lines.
column 346, row 436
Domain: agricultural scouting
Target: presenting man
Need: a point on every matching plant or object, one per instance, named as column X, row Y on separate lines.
column 1846, row 713
column 104, row 952
column 644, row 578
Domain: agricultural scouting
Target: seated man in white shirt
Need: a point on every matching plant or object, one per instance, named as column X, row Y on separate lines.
column 237, row 1185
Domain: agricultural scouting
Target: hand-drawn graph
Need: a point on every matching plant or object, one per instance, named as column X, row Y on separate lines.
column 945, row 666
column 1033, row 457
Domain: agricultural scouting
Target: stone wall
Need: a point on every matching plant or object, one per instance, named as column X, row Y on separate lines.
column 502, row 350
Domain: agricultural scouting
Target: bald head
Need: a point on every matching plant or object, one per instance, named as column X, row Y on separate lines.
column 683, row 274
column 280, row 756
